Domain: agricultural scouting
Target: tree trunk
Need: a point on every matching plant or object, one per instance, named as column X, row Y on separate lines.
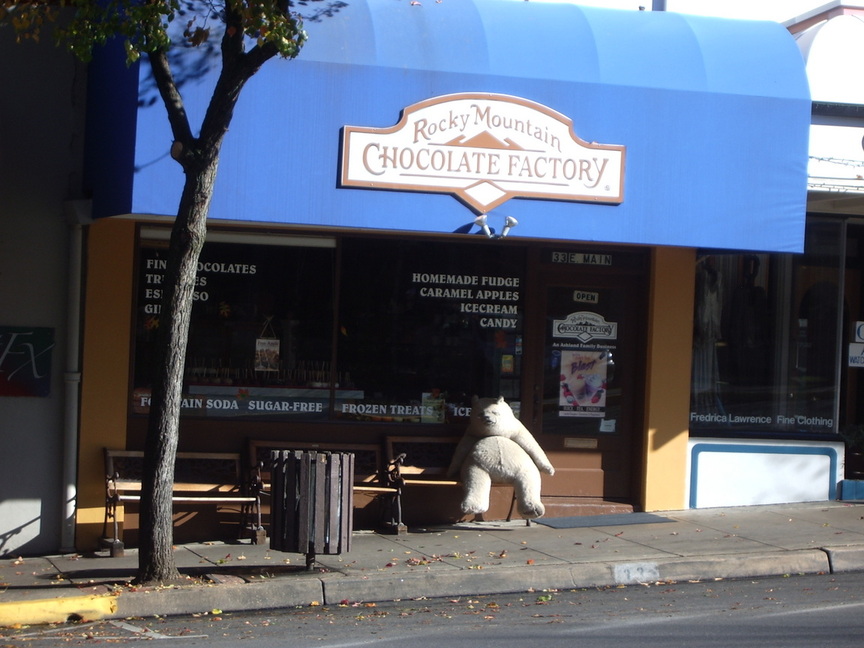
column 156, row 562
column 199, row 158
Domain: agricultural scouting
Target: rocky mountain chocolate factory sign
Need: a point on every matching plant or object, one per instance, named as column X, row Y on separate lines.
column 484, row 149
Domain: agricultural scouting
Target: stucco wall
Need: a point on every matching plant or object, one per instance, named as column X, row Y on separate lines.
column 41, row 134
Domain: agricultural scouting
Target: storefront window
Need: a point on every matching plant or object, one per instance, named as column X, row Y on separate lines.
column 420, row 327
column 260, row 339
column 423, row 326
column 766, row 338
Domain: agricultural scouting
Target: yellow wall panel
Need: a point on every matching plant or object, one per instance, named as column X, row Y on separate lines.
column 105, row 365
column 667, row 403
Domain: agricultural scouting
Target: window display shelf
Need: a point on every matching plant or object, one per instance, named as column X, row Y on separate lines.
column 273, row 392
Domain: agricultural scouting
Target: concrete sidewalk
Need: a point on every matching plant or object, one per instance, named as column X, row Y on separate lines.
column 465, row 559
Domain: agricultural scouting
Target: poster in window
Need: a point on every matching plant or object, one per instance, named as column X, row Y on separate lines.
column 267, row 354
column 433, row 407
column 583, row 382
column 267, row 348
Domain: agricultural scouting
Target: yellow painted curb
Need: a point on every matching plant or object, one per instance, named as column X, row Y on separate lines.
column 57, row 610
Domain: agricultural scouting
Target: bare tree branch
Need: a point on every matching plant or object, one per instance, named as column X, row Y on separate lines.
column 176, row 110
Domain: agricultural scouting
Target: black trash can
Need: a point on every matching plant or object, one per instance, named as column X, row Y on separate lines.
column 313, row 502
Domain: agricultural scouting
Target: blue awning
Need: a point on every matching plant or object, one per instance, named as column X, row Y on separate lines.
column 713, row 113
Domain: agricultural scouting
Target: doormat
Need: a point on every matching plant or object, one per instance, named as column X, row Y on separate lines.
column 613, row 519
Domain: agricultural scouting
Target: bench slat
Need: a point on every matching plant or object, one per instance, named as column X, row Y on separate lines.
column 188, row 500
column 266, row 488
column 431, row 482
column 129, row 485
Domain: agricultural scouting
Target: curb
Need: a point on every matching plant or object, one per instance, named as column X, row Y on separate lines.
column 333, row 588
column 446, row 583
column 243, row 597
column 58, row 610
column 845, row 559
column 514, row 580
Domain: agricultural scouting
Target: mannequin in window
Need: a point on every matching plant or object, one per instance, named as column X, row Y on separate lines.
column 706, row 333
column 748, row 328
column 818, row 314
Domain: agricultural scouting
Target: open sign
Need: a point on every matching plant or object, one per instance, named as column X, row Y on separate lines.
column 593, row 298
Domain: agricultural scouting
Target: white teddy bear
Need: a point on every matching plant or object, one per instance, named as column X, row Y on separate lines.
column 498, row 448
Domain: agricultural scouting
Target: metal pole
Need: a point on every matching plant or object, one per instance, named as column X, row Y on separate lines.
column 78, row 215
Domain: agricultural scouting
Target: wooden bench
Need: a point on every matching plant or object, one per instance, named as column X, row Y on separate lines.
column 199, row 478
column 424, row 461
column 371, row 475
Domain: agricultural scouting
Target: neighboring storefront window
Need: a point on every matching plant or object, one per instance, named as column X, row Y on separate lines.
column 423, row 326
column 765, row 348
column 260, row 339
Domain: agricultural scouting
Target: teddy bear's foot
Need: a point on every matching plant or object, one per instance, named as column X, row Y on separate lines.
column 474, row 509
column 530, row 510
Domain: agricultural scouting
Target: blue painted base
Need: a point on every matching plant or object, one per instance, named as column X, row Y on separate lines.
column 852, row 489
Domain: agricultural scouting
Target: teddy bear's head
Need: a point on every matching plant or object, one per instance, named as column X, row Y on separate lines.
column 490, row 417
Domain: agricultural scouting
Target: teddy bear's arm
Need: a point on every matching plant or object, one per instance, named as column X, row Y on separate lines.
column 529, row 444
